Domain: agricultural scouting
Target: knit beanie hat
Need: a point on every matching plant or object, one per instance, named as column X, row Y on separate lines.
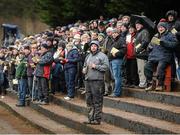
column 163, row 23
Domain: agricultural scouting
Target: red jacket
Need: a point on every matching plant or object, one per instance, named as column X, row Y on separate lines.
column 47, row 71
column 130, row 54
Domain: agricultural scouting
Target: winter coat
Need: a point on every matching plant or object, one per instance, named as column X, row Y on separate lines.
column 72, row 58
column 107, row 46
column 164, row 51
column 21, row 70
column 120, row 44
column 12, row 66
column 44, row 65
column 1, row 71
column 102, row 65
column 3, row 74
column 30, row 70
column 2, row 64
column 142, row 40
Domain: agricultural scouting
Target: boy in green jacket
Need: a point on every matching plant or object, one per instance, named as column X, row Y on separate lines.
column 21, row 75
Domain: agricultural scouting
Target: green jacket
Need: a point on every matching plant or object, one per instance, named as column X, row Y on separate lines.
column 21, row 70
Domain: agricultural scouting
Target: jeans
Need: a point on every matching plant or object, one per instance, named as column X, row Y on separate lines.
column 70, row 75
column 22, row 90
column 116, row 69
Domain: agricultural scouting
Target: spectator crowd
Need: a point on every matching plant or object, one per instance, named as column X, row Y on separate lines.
column 100, row 54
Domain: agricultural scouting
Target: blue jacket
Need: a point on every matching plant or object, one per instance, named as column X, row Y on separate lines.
column 164, row 51
column 73, row 58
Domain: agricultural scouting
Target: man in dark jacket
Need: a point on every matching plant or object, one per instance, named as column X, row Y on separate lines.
column 95, row 65
column 108, row 80
column 141, row 43
column 162, row 47
column 116, row 56
column 174, row 27
column 42, row 72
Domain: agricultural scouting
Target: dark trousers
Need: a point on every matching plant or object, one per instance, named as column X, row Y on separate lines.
column 57, row 85
column 149, row 69
column 132, row 72
column 79, row 76
column 43, row 89
column 2, row 90
column 35, row 91
column 70, row 75
column 2, row 83
column 94, row 99
column 30, row 84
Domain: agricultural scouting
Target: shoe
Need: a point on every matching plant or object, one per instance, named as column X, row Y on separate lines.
column 83, row 92
column 68, row 98
column 27, row 96
column 95, row 122
column 106, row 94
column 20, row 105
column 142, row 86
column 113, row 96
column 159, row 88
column 87, row 122
column 37, row 102
column 43, row 103
column 149, row 88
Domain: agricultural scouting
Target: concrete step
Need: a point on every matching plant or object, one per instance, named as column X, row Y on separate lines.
column 71, row 121
column 75, row 120
column 172, row 98
column 149, row 108
column 131, row 121
column 37, row 120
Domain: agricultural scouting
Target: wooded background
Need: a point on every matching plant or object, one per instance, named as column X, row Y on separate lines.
column 61, row 12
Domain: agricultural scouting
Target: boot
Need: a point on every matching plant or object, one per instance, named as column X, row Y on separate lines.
column 151, row 86
column 159, row 88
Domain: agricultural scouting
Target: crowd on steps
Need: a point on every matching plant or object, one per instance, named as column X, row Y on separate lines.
column 102, row 55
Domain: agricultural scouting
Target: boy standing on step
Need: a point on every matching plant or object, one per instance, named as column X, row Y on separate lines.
column 21, row 75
